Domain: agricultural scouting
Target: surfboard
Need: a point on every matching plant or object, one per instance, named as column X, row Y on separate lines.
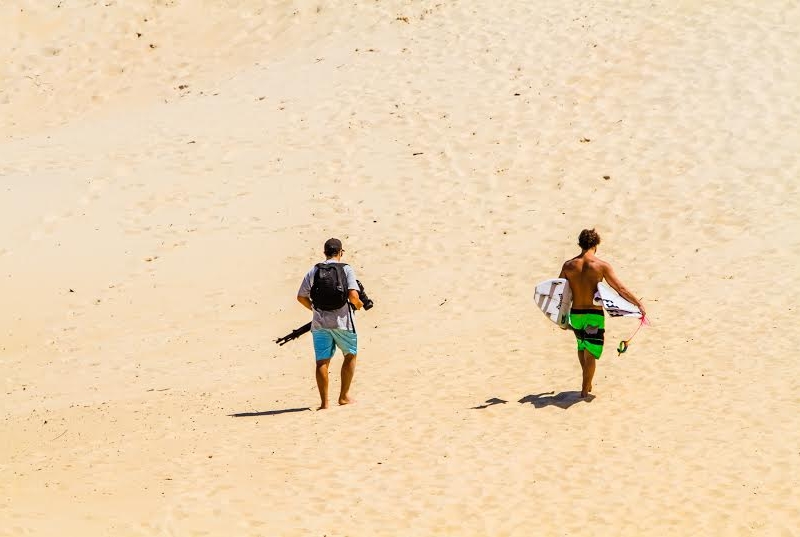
column 554, row 298
column 613, row 303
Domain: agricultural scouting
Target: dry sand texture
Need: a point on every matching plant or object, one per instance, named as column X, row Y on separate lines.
column 170, row 170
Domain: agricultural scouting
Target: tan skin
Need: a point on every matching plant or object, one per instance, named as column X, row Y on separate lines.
column 583, row 273
column 349, row 365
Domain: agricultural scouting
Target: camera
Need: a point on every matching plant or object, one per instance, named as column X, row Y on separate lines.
column 362, row 295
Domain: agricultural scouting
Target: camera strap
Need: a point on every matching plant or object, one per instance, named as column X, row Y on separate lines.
column 350, row 308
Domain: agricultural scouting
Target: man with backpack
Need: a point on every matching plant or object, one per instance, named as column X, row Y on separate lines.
column 330, row 290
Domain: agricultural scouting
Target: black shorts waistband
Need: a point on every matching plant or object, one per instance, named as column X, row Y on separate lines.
column 584, row 311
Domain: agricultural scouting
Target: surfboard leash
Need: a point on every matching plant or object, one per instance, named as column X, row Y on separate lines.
column 623, row 345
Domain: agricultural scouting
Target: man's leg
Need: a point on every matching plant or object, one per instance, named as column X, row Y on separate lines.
column 348, row 371
column 322, row 382
column 588, row 364
column 323, row 352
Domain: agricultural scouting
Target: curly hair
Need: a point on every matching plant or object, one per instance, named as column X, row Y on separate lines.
column 588, row 238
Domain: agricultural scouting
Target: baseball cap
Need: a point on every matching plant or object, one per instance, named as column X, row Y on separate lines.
column 333, row 246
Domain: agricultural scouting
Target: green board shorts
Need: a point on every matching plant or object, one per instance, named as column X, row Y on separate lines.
column 589, row 327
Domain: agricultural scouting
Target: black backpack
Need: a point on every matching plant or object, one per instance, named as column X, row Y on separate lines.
column 329, row 289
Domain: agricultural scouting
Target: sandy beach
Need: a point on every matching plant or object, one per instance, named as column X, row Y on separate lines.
column 170, row 169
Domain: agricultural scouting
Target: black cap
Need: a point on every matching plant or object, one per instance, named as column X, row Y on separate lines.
column 333, row 247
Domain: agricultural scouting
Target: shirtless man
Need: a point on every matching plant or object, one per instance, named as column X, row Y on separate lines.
column 586, row 319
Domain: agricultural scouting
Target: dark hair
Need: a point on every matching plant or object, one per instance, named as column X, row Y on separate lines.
column 333, row 247
column 588, row 238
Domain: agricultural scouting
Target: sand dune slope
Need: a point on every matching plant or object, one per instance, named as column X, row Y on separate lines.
column 170, row 170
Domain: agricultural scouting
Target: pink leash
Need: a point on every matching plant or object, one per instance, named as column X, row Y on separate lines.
column 623, row 345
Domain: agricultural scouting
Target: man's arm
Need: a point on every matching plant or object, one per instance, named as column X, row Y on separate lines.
column 355, row 300
column 616, row 284
column 304, row 293
column 352, row 288
column 304, row 300
column 563, row 273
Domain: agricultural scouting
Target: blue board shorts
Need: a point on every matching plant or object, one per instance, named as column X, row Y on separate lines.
column 327, row 339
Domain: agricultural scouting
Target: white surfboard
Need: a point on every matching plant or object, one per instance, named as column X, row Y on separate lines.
column 554, row 298
column 613, row 303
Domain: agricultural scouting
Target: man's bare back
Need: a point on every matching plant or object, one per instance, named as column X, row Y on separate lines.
column 584, row 272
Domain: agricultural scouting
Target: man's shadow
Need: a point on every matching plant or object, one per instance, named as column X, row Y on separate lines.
column 268, row 412
column 562, row 400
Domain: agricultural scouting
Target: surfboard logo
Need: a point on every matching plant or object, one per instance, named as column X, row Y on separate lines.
column 613, row 303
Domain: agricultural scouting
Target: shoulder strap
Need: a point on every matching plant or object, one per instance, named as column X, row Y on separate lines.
column 350, row 313
column 343, row 274
column 316, row 271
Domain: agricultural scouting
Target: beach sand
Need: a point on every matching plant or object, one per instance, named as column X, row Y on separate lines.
column 169, row 170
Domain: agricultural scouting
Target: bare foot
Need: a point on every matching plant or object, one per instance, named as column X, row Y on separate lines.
column 346, row 401
column 323, row 406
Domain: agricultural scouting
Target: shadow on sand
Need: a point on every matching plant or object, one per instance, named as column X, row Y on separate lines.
column 489, row 402
column 268, row 412
column 562, row 400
